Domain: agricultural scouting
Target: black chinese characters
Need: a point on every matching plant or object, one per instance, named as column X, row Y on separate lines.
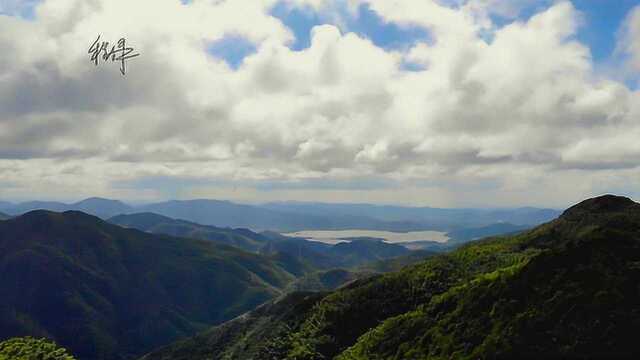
column 118, row 52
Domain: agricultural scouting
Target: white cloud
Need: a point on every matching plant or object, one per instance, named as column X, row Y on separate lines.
column 526, row 105
column 629, row 42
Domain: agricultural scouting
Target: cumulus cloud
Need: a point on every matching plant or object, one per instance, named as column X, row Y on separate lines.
column 520, row 104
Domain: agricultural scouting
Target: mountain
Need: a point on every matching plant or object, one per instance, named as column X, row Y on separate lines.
column 5, row 204
column 24, row 207
column 102, row 208
column 567, row 289
column 396, row 263
column 244, row 335
column 350, row 254
column 228, row 214
column 158, row 224
column 467, row 234
column 290, row 217
column 363, row 250
column 106, row 292
column 327, row 280
column 4, row 216
column 422, row 218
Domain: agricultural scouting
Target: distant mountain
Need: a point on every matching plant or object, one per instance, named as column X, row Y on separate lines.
column 421, row 218
column 290, row 217
column 95, row 206
column 102, row 208
column 106, row 292
column 228, row 214
column 158, row 224
column 567, row 289
column 363, row 250
column 24, row 207
column 5, row 204
column 315, row 254
column 325, row 256
column 4, row 216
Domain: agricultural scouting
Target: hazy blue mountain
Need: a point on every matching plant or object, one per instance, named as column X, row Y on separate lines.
column 5, row 204
column 242, row 238
column 95, row 206
column 228, row 214
column 4, row 216
column 101, row 207
column 109, row 293
column 288, row 217
column 24, row 207
column 417, row 218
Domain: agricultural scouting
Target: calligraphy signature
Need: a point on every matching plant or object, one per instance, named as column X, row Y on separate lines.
column 119, row 52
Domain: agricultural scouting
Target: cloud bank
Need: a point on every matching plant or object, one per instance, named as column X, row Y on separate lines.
column 495, row 115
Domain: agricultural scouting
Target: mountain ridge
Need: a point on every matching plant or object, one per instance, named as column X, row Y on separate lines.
column 565, row 289
column 127, row 291
column 287, row 217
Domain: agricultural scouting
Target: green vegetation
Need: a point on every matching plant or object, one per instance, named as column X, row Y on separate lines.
column 105, row 292
column 28, row 348
column 567, row 289
column 397, row 263
column 327, row 280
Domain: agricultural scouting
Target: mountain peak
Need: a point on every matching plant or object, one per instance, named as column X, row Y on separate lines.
column 601, row 205
column 98, row 200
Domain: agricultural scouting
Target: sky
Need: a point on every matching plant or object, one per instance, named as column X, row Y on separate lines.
column 449, row 103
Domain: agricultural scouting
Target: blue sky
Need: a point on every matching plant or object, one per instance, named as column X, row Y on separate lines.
column 602, row 19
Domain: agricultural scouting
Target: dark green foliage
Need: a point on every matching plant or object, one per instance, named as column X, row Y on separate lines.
column 564, row 290
column 106, row 292
column 351, row 254
column 467, row 234
column 28, row 348
column 577, row 298
column 255, row 336
column 397, row 263
column 327, row 280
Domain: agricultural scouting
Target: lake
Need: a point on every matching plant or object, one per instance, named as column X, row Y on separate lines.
column 337, row 236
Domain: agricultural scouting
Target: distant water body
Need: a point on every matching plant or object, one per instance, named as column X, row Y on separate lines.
column 337, row 236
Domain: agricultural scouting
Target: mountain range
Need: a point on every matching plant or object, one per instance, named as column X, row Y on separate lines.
column 314, row 255
column 567, row 289
column 289, row 217
column 119, row 288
